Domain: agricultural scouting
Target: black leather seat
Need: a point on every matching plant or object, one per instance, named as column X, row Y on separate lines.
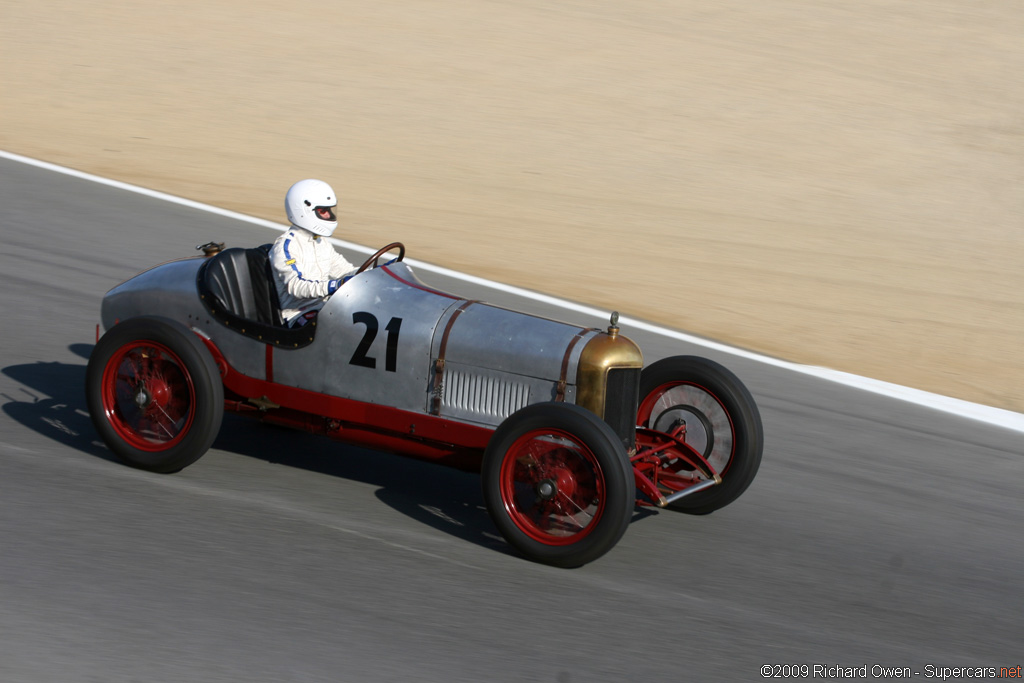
column 241, row 280
column 238, row 288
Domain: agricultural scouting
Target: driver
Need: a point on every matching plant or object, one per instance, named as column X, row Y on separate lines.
column 308, row 269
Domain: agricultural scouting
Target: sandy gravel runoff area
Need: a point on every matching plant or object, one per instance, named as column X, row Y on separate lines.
column 835, row 183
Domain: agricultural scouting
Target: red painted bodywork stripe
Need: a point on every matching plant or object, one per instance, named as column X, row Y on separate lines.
column 400, row 423
column 420, row 287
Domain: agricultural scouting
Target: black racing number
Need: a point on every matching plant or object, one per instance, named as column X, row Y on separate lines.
column 391, row 358
column 360, row 356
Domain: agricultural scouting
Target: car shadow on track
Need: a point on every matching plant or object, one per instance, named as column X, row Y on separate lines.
column 51, row 402
column 444, row 498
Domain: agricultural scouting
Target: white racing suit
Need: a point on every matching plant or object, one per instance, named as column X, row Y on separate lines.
column 308, row 270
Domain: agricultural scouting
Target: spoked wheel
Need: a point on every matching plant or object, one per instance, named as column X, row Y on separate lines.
column 709, row 408
column 558, row 484
column 154, row 394
column 148, row 396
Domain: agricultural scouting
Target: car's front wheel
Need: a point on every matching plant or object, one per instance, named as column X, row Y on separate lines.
column 721, row 422
column 154, row 394
column 558, row 484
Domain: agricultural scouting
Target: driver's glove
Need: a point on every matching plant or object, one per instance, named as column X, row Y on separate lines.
column 332, row 285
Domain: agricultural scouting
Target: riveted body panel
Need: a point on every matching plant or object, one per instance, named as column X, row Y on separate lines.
column 170, row 291
column 487, row 336
column 388, row 339
column 372, row 342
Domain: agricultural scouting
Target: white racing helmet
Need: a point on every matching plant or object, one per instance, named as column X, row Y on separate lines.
column 310, row 204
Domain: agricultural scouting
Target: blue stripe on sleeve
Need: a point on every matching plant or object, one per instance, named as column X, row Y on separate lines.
column 288, row 257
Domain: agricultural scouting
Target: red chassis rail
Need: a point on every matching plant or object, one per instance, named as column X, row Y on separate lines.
column 355, row 422
column 662, row 463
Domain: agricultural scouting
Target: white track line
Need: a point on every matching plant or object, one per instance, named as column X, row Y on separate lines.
column 974, row 411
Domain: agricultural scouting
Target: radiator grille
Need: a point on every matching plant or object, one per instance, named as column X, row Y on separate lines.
column 621, row 397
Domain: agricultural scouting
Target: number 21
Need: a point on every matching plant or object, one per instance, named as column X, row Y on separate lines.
column 391, row 354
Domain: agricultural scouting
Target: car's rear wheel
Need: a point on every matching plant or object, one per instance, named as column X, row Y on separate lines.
column 154, row 394
column 721, row 422
column 558, row 484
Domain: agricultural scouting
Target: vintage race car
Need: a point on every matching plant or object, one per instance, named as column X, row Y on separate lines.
column 566, row 426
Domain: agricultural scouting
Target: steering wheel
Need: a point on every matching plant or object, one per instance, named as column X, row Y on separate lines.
column 380, row 252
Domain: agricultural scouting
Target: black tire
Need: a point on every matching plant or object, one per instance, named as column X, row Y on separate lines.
column 558, row 484
column 723, row 423
column 154, row 394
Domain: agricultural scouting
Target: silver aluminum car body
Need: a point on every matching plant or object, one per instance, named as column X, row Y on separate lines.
column 379, row 340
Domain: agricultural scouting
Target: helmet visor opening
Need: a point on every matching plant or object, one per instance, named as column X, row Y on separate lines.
column 325, row 213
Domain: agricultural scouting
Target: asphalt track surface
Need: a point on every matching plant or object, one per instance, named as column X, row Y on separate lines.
column 877, row 531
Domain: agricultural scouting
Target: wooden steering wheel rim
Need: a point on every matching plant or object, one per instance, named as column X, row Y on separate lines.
column 380, row 252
